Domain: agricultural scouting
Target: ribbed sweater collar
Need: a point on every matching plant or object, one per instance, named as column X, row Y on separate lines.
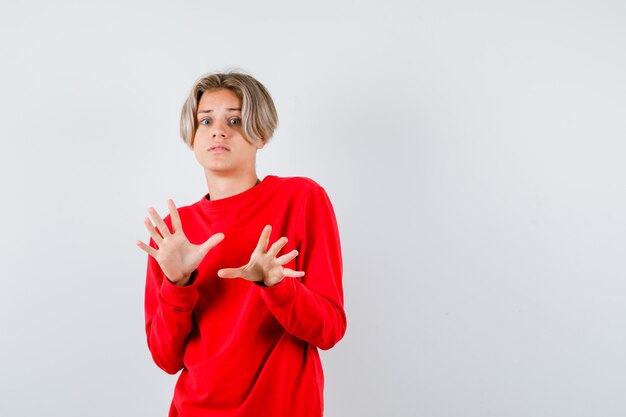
column 237, row 200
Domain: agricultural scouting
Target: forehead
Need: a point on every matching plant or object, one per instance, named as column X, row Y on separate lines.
column 219, row 99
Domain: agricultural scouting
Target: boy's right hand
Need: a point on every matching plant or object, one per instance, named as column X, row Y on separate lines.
column 177, row 256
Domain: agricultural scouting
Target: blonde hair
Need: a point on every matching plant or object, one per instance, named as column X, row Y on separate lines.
column 258, row 114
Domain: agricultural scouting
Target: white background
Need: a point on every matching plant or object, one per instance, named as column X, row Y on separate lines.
column 474, row 153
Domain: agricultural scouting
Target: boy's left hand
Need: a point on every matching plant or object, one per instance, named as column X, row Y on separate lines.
column 264, row 265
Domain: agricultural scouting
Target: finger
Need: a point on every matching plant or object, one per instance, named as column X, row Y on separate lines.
column 292, row 274
column 146, row 248
column 277, row 246
column 282, row 260
column 229, row 273
column 211, row 242
column 176, row 224
column 153, row 232
column 264, row 240
column 159, row 223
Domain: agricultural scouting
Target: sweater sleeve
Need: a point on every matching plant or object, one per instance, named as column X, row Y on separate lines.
column 312, row 309
column 168, row 311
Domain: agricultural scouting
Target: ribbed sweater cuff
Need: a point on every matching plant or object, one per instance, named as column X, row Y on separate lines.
column 181, row 298
column 280, row 293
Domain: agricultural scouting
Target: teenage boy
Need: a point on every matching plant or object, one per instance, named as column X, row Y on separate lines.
column 245, row 285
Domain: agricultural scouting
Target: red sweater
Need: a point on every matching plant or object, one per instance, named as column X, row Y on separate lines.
column 247, row 350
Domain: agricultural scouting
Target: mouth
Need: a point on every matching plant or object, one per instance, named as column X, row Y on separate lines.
column 219, row 148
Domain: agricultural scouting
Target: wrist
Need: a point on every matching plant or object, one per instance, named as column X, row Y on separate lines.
column 267, row 283
column 185, row 279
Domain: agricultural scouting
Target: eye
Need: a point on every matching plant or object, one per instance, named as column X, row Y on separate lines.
column 202, row 122
column 235, row 121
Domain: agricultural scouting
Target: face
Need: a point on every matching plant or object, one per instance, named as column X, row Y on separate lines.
column 219, row 143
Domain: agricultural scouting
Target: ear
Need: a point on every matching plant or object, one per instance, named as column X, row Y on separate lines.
column 261, row 144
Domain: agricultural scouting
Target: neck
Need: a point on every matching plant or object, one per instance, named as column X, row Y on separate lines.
column 227, row 186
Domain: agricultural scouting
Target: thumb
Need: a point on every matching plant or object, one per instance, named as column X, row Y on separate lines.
column 211, row 242
column 229, row 273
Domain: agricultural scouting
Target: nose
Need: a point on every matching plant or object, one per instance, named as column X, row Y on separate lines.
column 219, row 130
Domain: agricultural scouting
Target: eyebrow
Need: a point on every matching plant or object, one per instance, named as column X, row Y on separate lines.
column 229, row 109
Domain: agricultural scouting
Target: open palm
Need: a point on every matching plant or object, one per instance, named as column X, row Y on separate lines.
column 264, row 265
column 176, row 256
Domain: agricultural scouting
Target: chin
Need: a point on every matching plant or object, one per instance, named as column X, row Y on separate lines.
column 218, row 168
